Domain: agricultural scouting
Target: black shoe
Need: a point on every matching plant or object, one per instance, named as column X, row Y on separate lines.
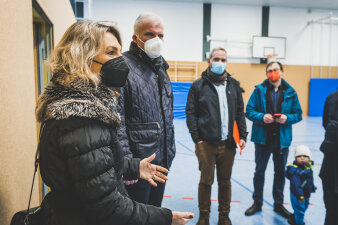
column 292, row 220
column 281, row 210
column 253, row 209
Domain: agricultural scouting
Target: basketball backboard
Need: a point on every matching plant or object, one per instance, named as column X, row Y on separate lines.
column 268, row 47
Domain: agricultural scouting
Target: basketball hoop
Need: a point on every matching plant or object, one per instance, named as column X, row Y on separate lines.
column 270, row 56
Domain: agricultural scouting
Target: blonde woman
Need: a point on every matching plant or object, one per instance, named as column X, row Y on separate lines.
column 80, row 157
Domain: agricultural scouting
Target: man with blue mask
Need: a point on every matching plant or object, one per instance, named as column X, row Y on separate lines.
column 146, row 106
column 214, row 103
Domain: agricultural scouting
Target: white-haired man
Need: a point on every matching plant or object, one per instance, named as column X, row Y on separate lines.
column 147, row 105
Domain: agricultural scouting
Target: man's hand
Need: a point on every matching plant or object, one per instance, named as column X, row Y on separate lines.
column 151, row 172
column 242, row 144
column 282, row 119
column 268, row 118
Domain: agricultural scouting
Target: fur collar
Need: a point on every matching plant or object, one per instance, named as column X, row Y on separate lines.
column 77, row 99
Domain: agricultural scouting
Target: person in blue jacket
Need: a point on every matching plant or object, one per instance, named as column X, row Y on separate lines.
column 301, row 183
column 273, row 107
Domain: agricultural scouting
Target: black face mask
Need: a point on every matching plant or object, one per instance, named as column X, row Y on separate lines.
column 114, row 72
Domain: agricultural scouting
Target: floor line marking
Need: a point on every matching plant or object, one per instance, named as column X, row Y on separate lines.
column 185, row 146
column 184, row 153
column 231, row 178
column 249, row 190
column 189, row 198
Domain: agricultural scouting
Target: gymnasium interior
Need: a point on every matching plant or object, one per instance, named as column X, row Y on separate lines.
column 302, row 35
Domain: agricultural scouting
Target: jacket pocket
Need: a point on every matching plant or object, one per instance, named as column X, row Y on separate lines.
column 145, row 138
column 258, row 134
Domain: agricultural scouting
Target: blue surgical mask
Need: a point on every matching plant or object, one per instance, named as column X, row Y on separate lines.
column 218, row 67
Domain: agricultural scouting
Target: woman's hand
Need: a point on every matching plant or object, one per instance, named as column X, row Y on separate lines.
column 180, row 218
column 151, row 172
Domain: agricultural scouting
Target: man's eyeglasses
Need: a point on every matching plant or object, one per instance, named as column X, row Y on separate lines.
column 219, row 60
column 275, row 70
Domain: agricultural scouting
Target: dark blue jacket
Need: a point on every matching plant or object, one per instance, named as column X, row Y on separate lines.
column 301, row 179
column 256, row 109
column 146, row 109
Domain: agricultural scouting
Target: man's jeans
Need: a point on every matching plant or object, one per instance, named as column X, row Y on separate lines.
column 144, row 192
column 299, row 208
column 223, row 157
column 262, row 155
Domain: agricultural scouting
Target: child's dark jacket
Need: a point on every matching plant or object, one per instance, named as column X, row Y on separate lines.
column 301, row 179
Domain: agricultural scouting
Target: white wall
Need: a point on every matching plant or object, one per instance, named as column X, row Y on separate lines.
column 183, row 24
column 235, row 23
column 304, row 45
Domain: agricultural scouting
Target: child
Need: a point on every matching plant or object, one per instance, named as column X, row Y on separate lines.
column 301, row 184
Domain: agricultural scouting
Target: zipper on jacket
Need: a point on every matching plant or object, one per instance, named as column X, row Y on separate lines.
column 158, row 125
column 219, row 111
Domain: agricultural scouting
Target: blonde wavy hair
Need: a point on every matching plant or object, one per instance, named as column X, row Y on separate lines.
column 78, row 46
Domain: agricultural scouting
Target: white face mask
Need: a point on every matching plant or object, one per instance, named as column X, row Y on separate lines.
column 153, row 47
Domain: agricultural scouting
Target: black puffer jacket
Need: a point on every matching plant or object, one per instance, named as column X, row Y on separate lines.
column 82, row 161
column 329, row 147
column 203, row 112
column 146, row 109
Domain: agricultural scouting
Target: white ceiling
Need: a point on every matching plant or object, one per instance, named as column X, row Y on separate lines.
column 309, row 4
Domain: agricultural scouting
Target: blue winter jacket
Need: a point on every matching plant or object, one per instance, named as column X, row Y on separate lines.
column 256, row 109
column 301, row 179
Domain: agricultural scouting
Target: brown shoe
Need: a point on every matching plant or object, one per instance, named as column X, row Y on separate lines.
column 223, row 219
column 203, row 219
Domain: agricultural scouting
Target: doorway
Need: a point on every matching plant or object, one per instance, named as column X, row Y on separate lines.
column 43, row 42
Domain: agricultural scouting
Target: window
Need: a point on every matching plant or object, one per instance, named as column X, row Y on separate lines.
column 80, row 8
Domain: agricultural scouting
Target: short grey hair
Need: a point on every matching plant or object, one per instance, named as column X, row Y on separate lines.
column 146, row 18
column 216, row 49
